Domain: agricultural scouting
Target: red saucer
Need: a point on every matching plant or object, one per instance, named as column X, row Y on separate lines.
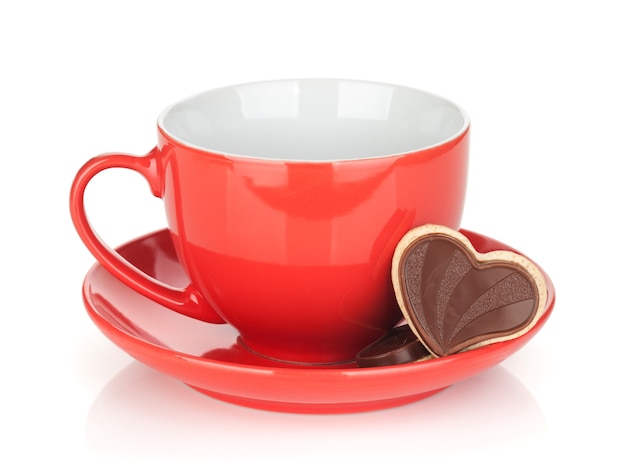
column 208, row 357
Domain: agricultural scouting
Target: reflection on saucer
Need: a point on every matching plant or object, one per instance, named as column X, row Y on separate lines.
column 141, row 412
column 239, row 354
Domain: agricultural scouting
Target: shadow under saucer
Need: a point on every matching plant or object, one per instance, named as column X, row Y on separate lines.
column 142, row 413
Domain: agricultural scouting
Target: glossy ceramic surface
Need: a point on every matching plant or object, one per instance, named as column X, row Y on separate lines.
column 293, row 246
column 210, row 359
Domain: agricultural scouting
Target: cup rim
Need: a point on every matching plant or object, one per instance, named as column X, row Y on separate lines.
column 206, row 149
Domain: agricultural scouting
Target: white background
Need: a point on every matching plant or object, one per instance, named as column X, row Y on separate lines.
column 543, row 83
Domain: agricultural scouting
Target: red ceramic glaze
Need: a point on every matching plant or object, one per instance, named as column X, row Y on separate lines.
column 212, row 360
column 292, row 245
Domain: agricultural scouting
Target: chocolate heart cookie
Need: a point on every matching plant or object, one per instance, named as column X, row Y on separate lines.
column 455, row 298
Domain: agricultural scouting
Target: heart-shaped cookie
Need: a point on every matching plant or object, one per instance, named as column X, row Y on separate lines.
column 455, row 298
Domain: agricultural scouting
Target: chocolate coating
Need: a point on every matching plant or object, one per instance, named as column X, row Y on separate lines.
column 453, row 301
column 398, row 346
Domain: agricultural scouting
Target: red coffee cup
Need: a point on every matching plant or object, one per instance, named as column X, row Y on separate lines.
column 285, row 201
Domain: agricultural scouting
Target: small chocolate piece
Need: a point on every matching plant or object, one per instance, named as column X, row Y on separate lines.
column 455, row 298
column 398, row 346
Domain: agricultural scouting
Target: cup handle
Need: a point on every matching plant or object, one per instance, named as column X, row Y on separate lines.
column 188, row 300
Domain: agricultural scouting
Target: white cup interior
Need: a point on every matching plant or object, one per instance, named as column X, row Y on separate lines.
column 313, row 120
